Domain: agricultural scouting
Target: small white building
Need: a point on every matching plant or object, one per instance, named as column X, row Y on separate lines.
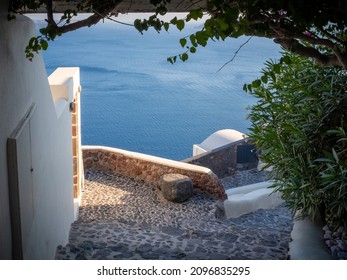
column 40, row 158
column 217, row 139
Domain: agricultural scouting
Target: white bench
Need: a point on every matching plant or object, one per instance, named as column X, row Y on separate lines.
column 247, row 199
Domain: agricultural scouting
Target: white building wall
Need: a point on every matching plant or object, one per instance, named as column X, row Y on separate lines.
column 22, row 83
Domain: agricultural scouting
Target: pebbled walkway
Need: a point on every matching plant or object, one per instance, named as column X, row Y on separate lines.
column 121, row 218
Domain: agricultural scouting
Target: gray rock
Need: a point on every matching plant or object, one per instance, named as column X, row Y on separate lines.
column 74, row 249
column 86, row 245
column 230, row 238
column 219, row 210
column 144, row 248
column 81, row 256
column 330, row 242
column 340, row 229
column 119, row 248
column 268, row 243
column 101, row 245
column 342, row 245
column 342, row 255
column 176, row 187
column 172, row 230
column 326, row 228
column 327, row 235
column 334, row 250
column 259, row 249
column 150, row 255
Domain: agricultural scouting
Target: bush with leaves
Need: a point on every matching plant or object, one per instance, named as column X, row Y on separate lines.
column 299, row 124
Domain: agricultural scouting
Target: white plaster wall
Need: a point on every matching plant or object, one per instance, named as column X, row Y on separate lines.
column 22, row 83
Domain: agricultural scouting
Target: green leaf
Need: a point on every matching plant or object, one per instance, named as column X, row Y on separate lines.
column 245, row 87
column 174, row 20
column 180, row 24
column 166, row 26
column 256, row 83
column 32, row 41
column 184, row 57
column 249, row 87
column 276, row 68
column 286, row 59
column 335, row 155
column 183, row 42
column 138, row 25
column 44, row 44
column 324, row 160
column 192, row 50
column 193, row 40
column 223, row 25
column 264, row 79
column 201, row 38
column 196, row 14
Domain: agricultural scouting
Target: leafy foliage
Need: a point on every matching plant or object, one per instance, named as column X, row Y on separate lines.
column 299, row 123
column 312, row 28
column 35, row 45
column 99, row 10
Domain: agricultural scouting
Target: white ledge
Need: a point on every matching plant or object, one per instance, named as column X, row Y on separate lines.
column 65, row 83
column 153, row 159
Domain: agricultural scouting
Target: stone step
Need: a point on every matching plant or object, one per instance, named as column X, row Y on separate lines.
column 247, row 199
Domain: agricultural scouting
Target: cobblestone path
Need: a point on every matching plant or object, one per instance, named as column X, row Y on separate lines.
column 125, row 219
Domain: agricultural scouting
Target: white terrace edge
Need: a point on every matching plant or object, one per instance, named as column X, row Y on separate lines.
column 150, row 158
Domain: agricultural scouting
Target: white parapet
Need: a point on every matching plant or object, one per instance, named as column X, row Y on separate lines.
column 65, row 84
column 152, row 159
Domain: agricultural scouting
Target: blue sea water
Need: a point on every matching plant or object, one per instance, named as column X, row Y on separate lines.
column 133, row 99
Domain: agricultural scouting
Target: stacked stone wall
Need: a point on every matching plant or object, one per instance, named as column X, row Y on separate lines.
column 143, row 168
column 223, row 160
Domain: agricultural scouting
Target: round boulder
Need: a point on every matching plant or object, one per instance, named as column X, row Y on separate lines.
column 176, row 187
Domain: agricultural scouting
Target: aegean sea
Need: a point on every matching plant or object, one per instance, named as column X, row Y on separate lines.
column 133, row 99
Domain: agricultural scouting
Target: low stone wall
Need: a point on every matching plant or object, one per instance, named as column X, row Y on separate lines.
column 150, row 168
column 225, row 160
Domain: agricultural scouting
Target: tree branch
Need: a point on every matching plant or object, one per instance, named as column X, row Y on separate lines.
column 286, row 34
column 114, row 20
column 50, row 17
column 331, row 36
column 289, row 40
column 325, row 60
column 235, row 54
column 91, row 20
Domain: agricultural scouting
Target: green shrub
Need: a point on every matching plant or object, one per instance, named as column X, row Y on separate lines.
column 299, row 124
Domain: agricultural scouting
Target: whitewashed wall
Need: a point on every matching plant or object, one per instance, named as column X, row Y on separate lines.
column 23, row 83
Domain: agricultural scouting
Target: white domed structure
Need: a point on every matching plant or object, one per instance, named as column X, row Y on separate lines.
column 218, row 139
